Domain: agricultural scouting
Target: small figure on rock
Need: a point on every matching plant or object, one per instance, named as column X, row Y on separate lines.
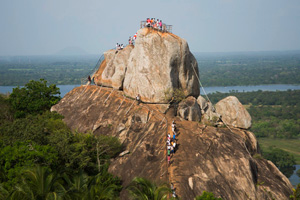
column 138, row 99
column 89, row 80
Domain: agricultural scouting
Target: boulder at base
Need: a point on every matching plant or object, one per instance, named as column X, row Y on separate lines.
column 189, row 109
column 208, row 158
column 233, row 112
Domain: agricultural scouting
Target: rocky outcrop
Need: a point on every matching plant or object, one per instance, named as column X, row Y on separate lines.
column 208, row 112
column 202, row 103
column 158, row 64
column 189, row 109
column 111, row 72
column 208, row 158
column 233, row 113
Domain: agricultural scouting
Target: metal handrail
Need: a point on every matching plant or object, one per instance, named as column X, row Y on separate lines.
column 84, row 79
column 165, row 27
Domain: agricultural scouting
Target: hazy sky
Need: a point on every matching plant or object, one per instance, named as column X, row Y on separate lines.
column 35, row 27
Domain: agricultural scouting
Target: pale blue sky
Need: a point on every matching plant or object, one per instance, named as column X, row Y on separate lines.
column 38, row 27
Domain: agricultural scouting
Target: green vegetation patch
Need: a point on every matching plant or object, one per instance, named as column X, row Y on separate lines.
column 289, row 145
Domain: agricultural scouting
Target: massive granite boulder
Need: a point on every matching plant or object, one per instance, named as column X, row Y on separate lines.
column 158, row 64
column 233, row 112
column 219, row 160
column 111, row 72
column 208, row 112
column 189, row 109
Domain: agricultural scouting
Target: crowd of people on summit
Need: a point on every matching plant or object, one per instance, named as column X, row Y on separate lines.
column 157, row 24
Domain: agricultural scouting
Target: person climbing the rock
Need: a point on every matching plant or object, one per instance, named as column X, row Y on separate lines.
column 89, row 80
column 174, row 136
column 117, row 46
column 172, row 187
column 121, row 47
column 138, row 99
column 172, row 150
column 160, row 25
column 174, row 194
column 174, row 127
column 169, row 151
column 148, row 22
column 169, row 159
column 174, row 146
column 129, row 40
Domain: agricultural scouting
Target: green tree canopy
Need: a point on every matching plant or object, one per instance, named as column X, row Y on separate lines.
column 282, row 159
column 34, row 98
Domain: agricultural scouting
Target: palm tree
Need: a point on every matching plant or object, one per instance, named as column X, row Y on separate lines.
column 77, row 185
column 38, row 183
column 3, row 192
column 104, row 186
column 143, row 189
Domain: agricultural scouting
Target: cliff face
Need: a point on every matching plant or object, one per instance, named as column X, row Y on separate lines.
column 208, row 158
column 158, row 63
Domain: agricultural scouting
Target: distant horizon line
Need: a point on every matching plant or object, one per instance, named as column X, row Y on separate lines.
column 194, row 52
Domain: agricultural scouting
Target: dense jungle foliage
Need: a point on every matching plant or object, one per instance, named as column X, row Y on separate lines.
column 41, row 158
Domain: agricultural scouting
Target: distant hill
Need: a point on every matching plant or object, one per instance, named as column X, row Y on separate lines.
column 71, row 51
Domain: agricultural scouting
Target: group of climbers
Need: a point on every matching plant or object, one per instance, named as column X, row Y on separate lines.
column 119, row 46
column 171, row 143
column 154, row 24
column 171, row 148
column 132, row 39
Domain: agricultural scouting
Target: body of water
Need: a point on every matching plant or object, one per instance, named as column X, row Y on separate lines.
column 295, row 180
column 250, row 88
column 64, row 89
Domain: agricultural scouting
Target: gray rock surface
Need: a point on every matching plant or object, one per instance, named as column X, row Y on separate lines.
column 189, row 109
column 111, row 72
column 208, row 158
column 210, row 114
column 202, row 103
column 233, row 112
column 158, row 63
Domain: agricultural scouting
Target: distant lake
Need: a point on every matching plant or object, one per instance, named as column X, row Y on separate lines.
column 250, row 88
column 64, row 89
column 295, row 180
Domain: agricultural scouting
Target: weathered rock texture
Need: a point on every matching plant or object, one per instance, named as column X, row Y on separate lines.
column 208, row 158
column 208, row 112
column 233, row 112
column 202, row 103
column 158, row 64
column 189, row 109
column 112, row 70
